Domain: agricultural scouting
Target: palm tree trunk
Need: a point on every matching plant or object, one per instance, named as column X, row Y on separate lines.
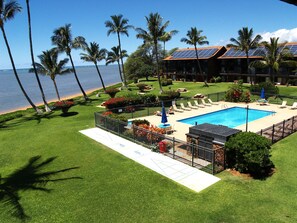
column 120, row 71
column 56, row 88
column 157, row 60
column 121, row 57
column 47, row 108
column 200, row 70
column 16, row 74
column 97, row 68
column 77, row 80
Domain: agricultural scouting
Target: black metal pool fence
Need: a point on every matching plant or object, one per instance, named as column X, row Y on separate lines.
column 197, row 156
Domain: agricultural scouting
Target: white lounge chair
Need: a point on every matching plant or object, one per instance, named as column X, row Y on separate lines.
column 283, row 105
column 199, row 105
column 176, row 109
column 192, row 106
column 204, row 103
column 211, row 102
column 294, row 106
column 184, row 108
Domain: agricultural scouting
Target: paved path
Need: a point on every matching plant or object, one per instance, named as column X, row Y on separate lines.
column 181, row 173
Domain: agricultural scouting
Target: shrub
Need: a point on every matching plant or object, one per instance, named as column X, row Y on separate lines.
column 217, row 79
column 141, row 86
column 236, row 94
column 112, row 92
column 248, row 152
column 115, row 103
column 169, row 95
column 115, row 116
column 140, row 122
column 148, row 98
column 165, row 82
column 270, row 88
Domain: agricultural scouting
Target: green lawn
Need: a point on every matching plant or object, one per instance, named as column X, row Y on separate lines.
column 116, row 189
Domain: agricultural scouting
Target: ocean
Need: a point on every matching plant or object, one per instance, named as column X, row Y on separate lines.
column 12, row 98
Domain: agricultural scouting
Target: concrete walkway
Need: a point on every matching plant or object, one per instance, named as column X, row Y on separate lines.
column 181, row 173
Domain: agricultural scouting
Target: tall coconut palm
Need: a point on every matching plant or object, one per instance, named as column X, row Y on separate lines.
column 94, row 54
column 276, row 55
column 119, row 25
column 7, row 12
column 155, row 30
column 166, row 37
column 50, row 66
column 114, row 56
column 245, row 42
column 195, row 38
column 32, row 58
column 62, row 38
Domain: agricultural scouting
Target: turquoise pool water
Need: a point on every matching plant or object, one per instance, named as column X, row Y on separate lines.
column 230, row 117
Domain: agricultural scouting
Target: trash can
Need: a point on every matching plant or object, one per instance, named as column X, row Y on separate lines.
column 162, row 147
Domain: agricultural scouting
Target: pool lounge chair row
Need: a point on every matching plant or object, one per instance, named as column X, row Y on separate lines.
column 284, row 105
column 196, row 106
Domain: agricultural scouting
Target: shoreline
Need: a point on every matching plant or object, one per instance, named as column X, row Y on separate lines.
column 62, row 98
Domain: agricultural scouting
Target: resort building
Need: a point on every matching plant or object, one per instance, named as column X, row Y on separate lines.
column 228, row 63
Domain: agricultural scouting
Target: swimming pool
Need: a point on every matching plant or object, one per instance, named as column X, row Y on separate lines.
column 230, row 117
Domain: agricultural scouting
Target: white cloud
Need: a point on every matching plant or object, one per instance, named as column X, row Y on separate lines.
column 283, row 34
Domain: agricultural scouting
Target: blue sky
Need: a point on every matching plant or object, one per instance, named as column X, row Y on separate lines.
column 219, row 19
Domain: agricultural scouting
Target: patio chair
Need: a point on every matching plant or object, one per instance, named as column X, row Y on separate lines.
column 184, row 108
column 283, row 105
column 199, row 105
column 294, row 106
column 211, row 102
column 176, row 109
column 204, row 103
column 192, row 106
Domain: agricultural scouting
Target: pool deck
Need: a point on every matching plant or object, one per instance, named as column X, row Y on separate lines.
column 181, row 129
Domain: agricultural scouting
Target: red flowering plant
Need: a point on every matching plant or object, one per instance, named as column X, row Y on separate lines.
column 63, row 105
column 152, row 133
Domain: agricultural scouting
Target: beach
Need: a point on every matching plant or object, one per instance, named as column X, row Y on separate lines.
column 12, row 98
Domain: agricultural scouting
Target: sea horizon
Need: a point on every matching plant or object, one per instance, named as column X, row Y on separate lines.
column 12, row 98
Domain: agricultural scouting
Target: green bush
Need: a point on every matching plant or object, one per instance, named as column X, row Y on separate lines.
column 112, row 92
column 248, row 152
column 10, row 116
column 270, row 88
column 141, row 86
column 165, row 82
column 148, row 98
column 169, row 95
column 140, row 122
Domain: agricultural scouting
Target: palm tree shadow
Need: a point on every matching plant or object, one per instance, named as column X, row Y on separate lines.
column 29, row 177
column 69, row 114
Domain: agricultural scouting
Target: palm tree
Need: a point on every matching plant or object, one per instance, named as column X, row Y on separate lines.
column 62, row 38
column 156, row 30
column 7, row 12
column 94, row 54
column 166, row 37
column 195, row 38
column 245, row 42
column 50, row 66
column 114, row 56
column 119, row 25
column 47, row 108
column 276, row 55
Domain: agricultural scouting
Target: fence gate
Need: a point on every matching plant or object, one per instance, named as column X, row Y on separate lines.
column 205, row 146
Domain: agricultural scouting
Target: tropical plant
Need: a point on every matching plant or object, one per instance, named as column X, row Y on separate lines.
column 276, row 54
column 115, row 56
column 62, row 38
column 119, row 25
column 7, row 12
column 155, row 30
column 245, row 42
column 166, row 37
column 112, row 92
column 50, row 66
column 30, row 177
column 94, row 54
column 195, row 38
column 47, row 108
